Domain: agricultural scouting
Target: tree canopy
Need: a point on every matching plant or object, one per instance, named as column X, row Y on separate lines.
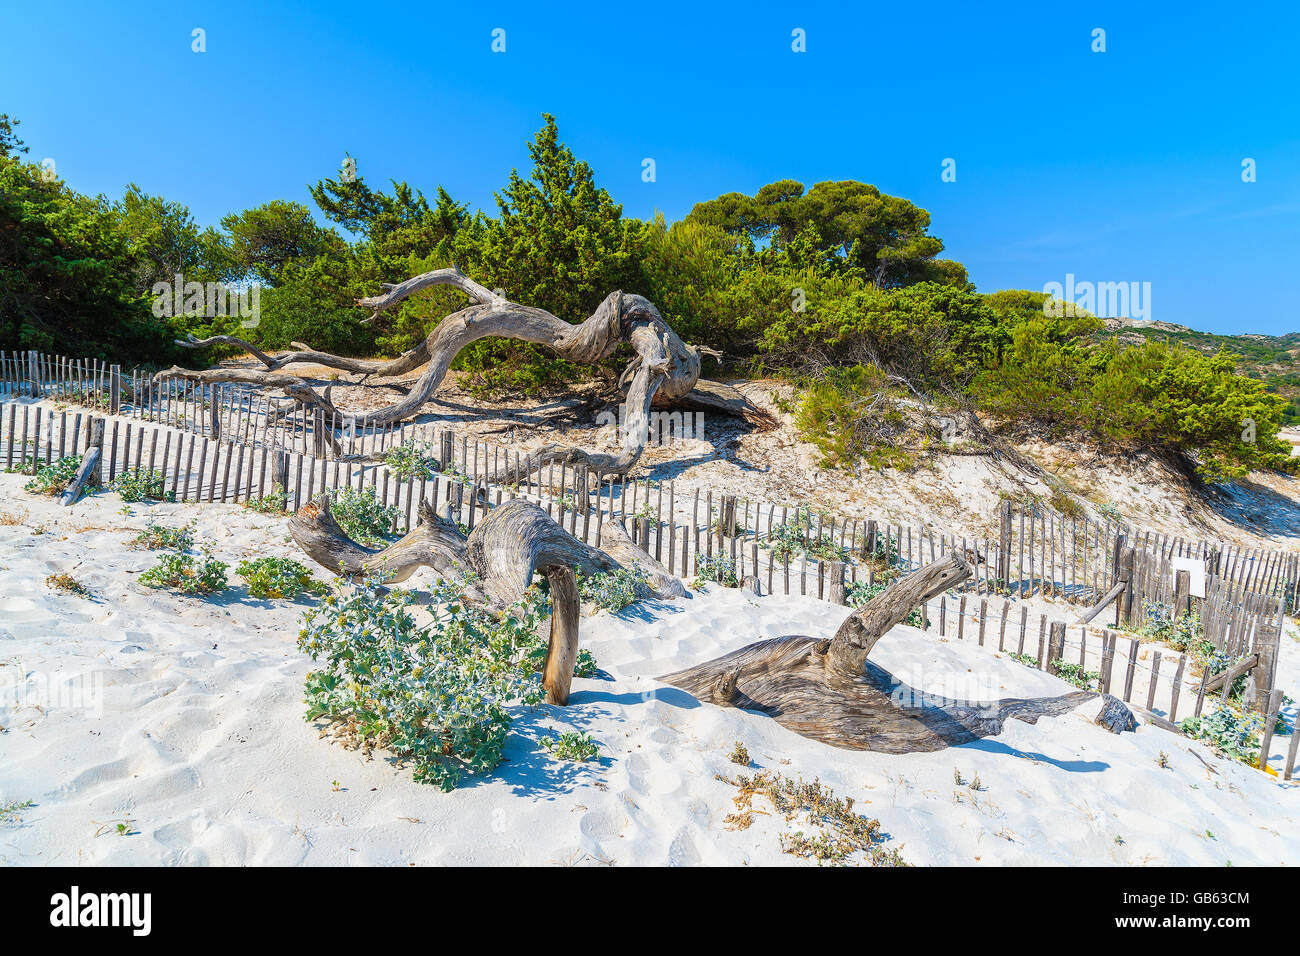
column 840, row 287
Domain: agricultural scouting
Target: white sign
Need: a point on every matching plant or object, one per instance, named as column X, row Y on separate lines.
column 1196, row 571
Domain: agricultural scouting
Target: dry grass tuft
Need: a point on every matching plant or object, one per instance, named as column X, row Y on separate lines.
column 839, row 835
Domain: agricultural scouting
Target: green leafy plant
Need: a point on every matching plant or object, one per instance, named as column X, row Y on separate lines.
column 274, row 503
column 412, row 459
column 437, row 694
column 362, row 516
column 139, row 484
column 575, row 746
column 739, row 755
column 52, row 478
column 614, row 590
column 860, row 592
column 1077, row 675
column 718, row 569
column 278, row 578
column 156, row 537
column 796, row 536
column 187, row 574
column 1229, row 731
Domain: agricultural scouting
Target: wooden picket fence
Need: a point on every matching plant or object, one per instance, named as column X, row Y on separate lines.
column 199, row 468
column 1153, row 678
column 1030, row 550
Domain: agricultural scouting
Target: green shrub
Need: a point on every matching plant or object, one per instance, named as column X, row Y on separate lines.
column 1076, row 674
column 155, row 537
column 849, row 416
column 274, row 503
column 718, row 569
column 795, row 536
column 860, row 592
column 575, row 746
column 1229, row 731
column 185, row 573
column 142, row 485
column 52, row 478
column 362, row 516
column 614, row 590
column 439, row 694
column 412, row 459
column 278, row 578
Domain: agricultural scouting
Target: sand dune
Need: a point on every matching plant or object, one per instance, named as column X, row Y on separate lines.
column 181, row 718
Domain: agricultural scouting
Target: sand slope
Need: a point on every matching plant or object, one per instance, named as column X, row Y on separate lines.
column 182, row 718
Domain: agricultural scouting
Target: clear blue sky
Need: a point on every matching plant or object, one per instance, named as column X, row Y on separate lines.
column 1115, row 166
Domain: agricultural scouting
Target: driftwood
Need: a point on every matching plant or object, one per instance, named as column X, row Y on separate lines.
column 562, row 650
column 665, row 371
column 1100, row 606
column 495, row 564
column 826, row 690
column 90, row 473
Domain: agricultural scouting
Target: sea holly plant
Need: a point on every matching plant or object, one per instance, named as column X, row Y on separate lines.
column 716, row 569
column 614, row 590
column 362, row 516
column 1229, row 731
column 438, row 693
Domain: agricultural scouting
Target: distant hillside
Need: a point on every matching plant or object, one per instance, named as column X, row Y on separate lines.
column 1274, row 359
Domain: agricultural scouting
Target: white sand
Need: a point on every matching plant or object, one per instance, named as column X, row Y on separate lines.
column 190, row 730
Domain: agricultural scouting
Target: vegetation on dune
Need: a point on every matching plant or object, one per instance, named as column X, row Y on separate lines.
column 837, row 287
column 439, row 694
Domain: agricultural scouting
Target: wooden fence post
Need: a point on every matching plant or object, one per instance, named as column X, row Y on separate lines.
column 1004, row 543
column 1182, row 593
column 837, row 589
column 115, row 390
column 1055, row 646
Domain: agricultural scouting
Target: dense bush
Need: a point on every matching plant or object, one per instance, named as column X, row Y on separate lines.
column 437, row 694
column 838, row 287
column 362, row 516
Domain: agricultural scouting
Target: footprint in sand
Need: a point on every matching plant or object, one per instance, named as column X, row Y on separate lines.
column 682, row 852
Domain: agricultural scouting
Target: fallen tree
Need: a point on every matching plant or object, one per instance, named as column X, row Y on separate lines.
column 665, row 371
column 493, row 565
column 826, row 690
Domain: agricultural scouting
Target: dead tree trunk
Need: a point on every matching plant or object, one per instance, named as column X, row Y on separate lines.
column 666, row 369
column 494, row 565
column 562, row 651
column 826, row 690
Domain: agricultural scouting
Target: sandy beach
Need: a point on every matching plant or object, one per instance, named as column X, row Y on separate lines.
column 181, row 720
